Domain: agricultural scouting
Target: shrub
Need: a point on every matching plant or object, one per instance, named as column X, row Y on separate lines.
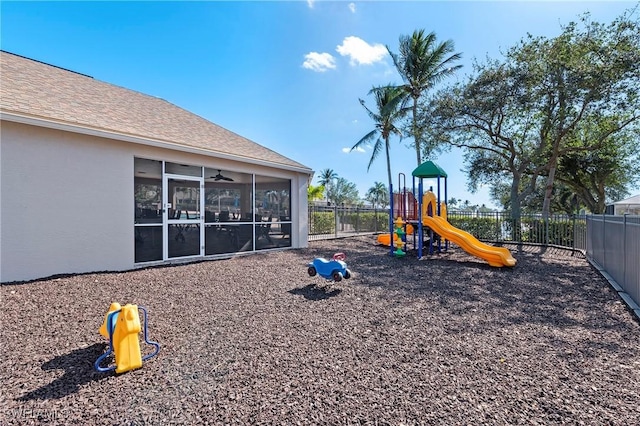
column 480, row 227
column 367, row 221
column 322, row 223
column 560, row 231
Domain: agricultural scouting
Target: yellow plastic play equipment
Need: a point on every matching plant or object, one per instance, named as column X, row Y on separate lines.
column 122, row 326
column 496, row 256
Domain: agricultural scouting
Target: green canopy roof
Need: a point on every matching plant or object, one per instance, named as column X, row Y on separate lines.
column 429, row 169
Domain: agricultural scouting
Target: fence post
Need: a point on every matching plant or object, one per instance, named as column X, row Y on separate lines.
column 624, row 250
column 546, row 231
column 604, row 243
column 335, row 216
column 497, row 226
column 375, row 218
column 575, row 234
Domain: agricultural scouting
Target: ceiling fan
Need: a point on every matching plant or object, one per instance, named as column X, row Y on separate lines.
column 220, row 177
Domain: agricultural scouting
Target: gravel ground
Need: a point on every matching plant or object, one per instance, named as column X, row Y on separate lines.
column 255, row 340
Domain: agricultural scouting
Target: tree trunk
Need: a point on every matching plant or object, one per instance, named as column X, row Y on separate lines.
column 601, row 200
column 386, row 149
column 415, row 130
column 548, row 191
column 515, row 209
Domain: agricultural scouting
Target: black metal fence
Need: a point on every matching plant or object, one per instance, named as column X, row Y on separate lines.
column 337, row 221
column 560, row 230
column 612, row 242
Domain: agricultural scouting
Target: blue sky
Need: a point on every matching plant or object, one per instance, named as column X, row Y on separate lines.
column 287, row 75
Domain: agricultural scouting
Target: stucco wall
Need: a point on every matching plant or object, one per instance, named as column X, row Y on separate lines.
column 300, row 208
column 66, row 200
column 66, row 203
column 632, row 209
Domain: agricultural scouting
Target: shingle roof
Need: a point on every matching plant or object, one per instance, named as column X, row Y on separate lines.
column 628, row 201
column 40, row 91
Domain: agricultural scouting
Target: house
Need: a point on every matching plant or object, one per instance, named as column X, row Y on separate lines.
column 629, row 205
column 96, row 177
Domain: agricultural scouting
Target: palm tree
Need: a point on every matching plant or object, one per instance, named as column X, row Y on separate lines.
column 422, row 63
column 389, row 111
column 378, row 195
column 326, row 178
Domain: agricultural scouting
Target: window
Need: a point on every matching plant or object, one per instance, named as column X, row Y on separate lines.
column 273, row 212
column 234, row 218
column 147, row 192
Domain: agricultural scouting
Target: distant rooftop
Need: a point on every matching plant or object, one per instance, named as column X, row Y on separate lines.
column 629, row 201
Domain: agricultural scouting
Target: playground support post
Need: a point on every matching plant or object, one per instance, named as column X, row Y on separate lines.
column 391, row 218
column 420, row 230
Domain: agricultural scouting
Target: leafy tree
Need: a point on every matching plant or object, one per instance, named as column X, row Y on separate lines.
column 315, row 192
column 378, row 195
column 588, row 73
column 422, row 62
column 564, row 200
column 389, row 111
column 490, row 118
column 598, row 177
column 549, row 100
column 343, row 191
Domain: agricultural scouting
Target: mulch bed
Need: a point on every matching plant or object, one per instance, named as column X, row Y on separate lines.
column 255, row 340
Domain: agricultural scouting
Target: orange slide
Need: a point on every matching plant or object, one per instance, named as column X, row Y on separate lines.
column 496, row 256
column 385, row 239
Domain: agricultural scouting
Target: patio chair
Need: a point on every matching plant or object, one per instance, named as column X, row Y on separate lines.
column 262, row 231
column 285, row 228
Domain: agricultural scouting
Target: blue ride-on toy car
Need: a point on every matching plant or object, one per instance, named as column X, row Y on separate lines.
column 334, row 269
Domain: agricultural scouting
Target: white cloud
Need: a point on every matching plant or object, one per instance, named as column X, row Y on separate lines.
column 310, row 3
column 360, row 52
column 352, row 7
column 348, row 150
column 319, row 62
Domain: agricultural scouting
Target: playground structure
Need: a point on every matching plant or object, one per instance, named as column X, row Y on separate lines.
column 495, row 256
column 428, row 215
column 122, row 326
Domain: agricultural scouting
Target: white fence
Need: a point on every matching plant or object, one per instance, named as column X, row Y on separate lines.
column 613, row 244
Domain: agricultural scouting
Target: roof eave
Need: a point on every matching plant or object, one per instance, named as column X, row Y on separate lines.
column 57, row 125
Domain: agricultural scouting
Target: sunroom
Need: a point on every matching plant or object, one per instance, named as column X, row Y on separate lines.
column 187, row 210
column 97, row 177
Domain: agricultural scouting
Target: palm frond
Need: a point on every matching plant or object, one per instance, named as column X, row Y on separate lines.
column 365, row 139
column 376, row 151
column 375, row 117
